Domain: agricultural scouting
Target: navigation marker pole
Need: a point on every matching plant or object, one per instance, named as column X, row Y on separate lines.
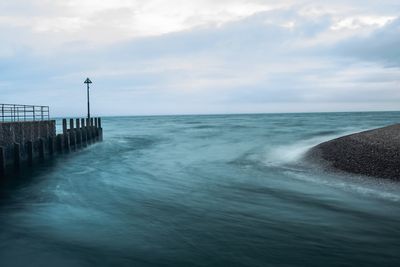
column 88, row 81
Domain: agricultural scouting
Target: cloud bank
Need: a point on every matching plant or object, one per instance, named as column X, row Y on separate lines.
column 185, row 57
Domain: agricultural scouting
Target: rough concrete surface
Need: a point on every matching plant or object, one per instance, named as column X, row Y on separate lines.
column 22, row 132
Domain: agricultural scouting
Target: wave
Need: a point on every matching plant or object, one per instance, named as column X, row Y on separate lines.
column 293, row 153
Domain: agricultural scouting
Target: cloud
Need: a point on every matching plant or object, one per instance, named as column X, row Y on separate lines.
column 381, row 45
column 201, row 56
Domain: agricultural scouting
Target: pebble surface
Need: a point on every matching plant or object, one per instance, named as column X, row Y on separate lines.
column 373, row 153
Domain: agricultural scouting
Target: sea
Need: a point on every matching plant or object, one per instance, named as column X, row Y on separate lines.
column 203, row 190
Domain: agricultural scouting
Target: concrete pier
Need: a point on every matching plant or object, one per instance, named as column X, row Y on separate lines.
column 17, row 156
column 50, row 145
column 2, row 161
column 30, row 152
column 25, row 143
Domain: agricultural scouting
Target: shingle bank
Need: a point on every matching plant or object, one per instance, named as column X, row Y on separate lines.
column 373, row 153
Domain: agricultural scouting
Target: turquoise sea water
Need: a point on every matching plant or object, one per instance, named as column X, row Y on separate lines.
column 220, row 190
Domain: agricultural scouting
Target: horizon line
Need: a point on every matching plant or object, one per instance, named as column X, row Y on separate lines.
column 232, row 114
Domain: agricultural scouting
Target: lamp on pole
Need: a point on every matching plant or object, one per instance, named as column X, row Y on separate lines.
column 88, row 81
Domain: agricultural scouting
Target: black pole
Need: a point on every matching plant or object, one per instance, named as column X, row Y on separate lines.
column 88, row 101
column 88, row 82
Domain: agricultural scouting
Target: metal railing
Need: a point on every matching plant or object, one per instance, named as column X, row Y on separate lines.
column 14, row 112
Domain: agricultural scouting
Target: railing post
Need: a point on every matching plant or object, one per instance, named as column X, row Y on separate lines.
column 16, row 113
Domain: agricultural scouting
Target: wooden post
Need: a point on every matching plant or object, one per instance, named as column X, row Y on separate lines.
column 83, row 144
column 30, row 152
column 84, row 137
column 60, row 142
column 51, row 145
column 96, row 129
column 87, row 136
column 100, row 134
column 67, row 144
column 72, row 139
column 41, row 148
column 92, row 134
column 72, row 136
column 100, row 131
column 88, row 130
column 78, row 133
column 64, row 123
column 71, row 124
column 17, row 156
column 96, row 133
column 2, row 161
column 91, row 122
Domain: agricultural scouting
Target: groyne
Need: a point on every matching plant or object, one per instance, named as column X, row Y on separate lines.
column 372, row 153
column 26, row 142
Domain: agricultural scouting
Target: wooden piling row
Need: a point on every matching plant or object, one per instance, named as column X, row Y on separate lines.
column 78, row 135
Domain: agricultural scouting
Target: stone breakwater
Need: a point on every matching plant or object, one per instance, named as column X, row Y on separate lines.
column 373, row 153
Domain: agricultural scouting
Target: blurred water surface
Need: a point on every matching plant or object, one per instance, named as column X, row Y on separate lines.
column 203, row 191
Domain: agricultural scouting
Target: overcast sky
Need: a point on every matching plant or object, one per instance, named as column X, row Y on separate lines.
column 201, row 56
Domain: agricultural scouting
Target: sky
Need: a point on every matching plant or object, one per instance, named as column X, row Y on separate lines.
column 158, row 57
